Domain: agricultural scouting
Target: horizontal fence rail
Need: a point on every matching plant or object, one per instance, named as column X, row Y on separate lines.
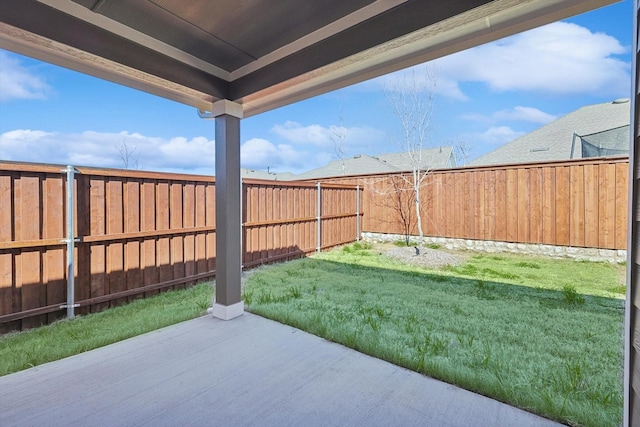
column 580, row 203
column 137, row 233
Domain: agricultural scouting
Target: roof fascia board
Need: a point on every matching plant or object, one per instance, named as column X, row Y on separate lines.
column 58, row 43
column 495, row 20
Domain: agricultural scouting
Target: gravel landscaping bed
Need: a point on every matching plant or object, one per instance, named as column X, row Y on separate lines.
column 430, row 258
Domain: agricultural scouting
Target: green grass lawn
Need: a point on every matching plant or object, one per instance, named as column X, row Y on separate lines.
column 65, row 338
column 538, row 333
column 541, row 334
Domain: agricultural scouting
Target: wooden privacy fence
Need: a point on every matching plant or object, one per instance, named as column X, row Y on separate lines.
column 139, row 232
column 581, row 203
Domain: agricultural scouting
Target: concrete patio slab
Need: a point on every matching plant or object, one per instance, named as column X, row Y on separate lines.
column 249, row 371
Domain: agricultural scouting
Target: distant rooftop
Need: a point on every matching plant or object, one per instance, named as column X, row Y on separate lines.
column 262, row 174
column 555, row 141
column 432, row 158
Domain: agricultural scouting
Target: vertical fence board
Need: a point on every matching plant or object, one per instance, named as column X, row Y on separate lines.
column 210, row 214
column 438, row 206
column 449, row 205
column 189, row 221
column 277, row 228
column 33, row 293
column 512, row 205
column 148, row 223
column 200, row 221
column 82, row 222
column 253, row 244
column 606, row 206
column 53, row 228
column 548, row 206
column 163, row 244
column 457, row 207
column 269, row 208
column 535, row 205
column 176, row 222
column 427, row 198
column 463, row 204
column 563, row 206
column 97, row 227
column 480, row 202
column 262, row 230
column 7, row 288
column 523, row 201
column 490, row 184
column 622, row 200
column 577, row 205
column 501, row 205
column 115, row 250
column 591, row 199
column 132, row 268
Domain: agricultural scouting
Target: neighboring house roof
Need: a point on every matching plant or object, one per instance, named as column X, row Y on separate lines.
column 433, row 158
column 555, row 141
column 272, row 176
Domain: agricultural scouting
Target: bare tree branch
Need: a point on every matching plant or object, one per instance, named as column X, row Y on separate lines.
column 338, row 139
column 463, row 151
column 412, row 99
column 130, row 156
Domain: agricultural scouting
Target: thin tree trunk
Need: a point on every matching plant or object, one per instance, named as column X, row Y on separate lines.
column 419, row 216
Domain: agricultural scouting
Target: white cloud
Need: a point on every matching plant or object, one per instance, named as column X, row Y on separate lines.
column 313, row 134
column 424, row 78
column 524, row 114
column 322, row 137
column 518, row 113
column 101, row 149
column 258, row 153
column 496, row 135
column 178, row 154
column 559, row 58
column 19, row 82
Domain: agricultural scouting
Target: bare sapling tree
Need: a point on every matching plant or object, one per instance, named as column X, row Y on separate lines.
column 401, row 200
column 130, row 156
column 411, row 98
column 338, row 139
column 463, row 151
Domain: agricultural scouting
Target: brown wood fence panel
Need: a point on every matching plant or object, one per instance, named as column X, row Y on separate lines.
column 511, row 202
column 580, row 203
column 501, row 207
column 622, row 204
column 139, row 232
column 281, row 219
column 549, row 218
column 563, row 206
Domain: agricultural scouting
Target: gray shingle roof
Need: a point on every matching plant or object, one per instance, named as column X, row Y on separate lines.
column 433, row 158
column 272, row 176
column 554, row 140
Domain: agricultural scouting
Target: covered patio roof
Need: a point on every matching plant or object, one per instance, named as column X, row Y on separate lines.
column 258, row 53
column 238, row 58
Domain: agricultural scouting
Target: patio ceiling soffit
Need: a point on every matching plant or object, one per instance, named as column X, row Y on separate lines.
column 200, row 51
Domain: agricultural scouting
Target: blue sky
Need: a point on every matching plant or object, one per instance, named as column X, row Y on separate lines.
column 484, row 97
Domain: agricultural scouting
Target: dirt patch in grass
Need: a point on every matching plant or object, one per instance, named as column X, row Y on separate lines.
column 424, row 257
